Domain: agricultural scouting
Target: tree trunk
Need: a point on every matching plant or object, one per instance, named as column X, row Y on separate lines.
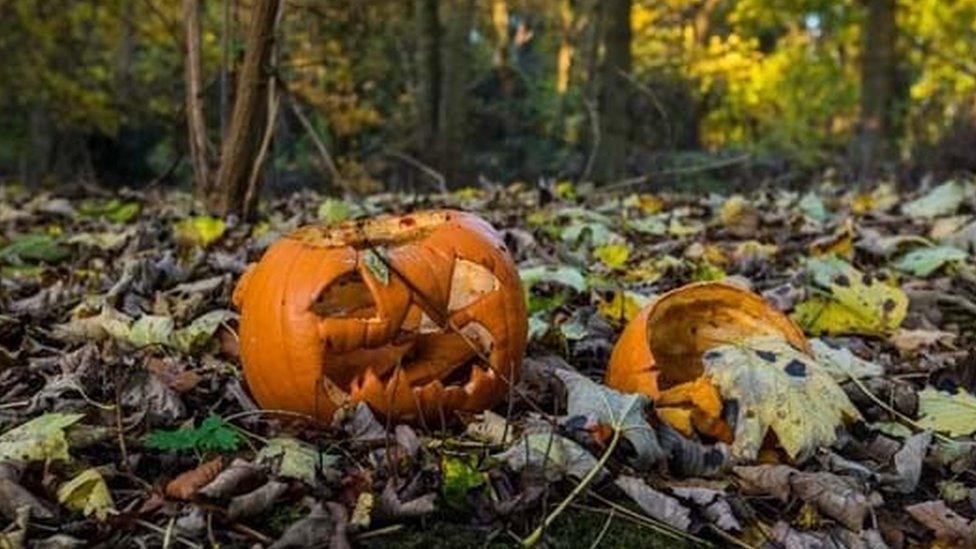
column 611, row 153
column 249, row 116
column 877, row 87
column 458, row 17
column 564, row 56
column 429, row 31
column 196, row 124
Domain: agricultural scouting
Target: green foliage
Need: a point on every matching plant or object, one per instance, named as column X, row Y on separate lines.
column 213, row 435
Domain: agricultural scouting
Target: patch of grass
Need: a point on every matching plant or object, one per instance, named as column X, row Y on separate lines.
column 575, row 528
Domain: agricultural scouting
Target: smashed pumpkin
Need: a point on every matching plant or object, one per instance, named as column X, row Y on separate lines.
column 419, row 315
column 659, row 352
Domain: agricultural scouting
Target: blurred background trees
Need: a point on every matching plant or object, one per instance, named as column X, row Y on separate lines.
column 423, row 94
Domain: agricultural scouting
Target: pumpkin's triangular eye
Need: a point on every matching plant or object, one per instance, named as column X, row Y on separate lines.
column 346, row 297
column 469, row 282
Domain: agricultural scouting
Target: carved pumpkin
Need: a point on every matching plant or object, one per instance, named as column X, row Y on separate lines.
column 659, row 352
column 419, row 316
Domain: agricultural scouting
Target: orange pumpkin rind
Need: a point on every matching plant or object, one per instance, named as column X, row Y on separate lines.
column 659, row 352
column 419, row 316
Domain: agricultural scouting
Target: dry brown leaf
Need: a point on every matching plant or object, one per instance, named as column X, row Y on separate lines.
column 256, row 501
column 239, row 477
column 837, row 497
column 187, row 484
column 946, row 524
column 910, row 342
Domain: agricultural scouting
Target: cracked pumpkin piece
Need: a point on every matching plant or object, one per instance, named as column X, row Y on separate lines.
column 659, row 352
column 420, row 316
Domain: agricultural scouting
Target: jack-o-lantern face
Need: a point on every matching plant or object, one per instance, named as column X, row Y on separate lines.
column 419, row 316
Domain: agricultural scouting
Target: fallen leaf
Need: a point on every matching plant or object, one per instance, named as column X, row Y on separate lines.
column 40, row 439
column 614, row 255
column 563, row 275
column 954, row 414
column 392, row 507
column 946, row 524
column 942, row 200
column 835, row 496
column 295, row 459
column 314, row 530
column 88, row 494
column 362, row 513
column 713, row 505
column 13, row 496
column 852, row 302
column 908, row 462
column 459, row 475
column 202, row 230
column 257, row 501
column 186, row 485
column 604, row 406
column 555, row 455
column 841, row 363
column 925, row 261
column 491, row 428
column 657, row 505
column 910, row 342
column 239, row 477
column 778, row 388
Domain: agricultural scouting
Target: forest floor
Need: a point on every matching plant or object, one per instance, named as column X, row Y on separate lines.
column 125, row 420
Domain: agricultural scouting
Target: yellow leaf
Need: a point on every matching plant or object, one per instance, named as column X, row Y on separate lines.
column 781, row 389
column 613, row 256
column 88, row 494
column 623, row 306
column 201, row 230
column 40, row 439
column 854, row 303
column 840, row 243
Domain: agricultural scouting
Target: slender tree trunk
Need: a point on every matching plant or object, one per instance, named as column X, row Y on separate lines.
column 611, row 154
column 564, row 56
column 878, row 80
column 249, row 116
column 196, row 124
column 429, row 31
column 458, row 17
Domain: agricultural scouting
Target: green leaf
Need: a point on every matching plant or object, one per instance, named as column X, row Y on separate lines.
column 295, row 459
column 114, row 210
column 197, row 334
column 563, row 275
column 40, row 439
column 460, row 475
column 377, row 266
column 88, row 494
column 942, row 200
column 202, row 230
column 214, row 434
column 925, row 261
column 813, row 207
column 333, row 211
column 33, row 248
column 778, row 388
column 151, row 330
column 950, row 413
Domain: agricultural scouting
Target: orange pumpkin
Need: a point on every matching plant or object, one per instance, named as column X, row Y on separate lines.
column 659, row 352
column 419, row 316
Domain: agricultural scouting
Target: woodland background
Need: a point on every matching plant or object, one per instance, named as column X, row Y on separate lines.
column 431, row 93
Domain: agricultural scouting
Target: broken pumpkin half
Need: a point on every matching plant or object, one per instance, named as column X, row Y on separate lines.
column 659, row 353
column 420, row 316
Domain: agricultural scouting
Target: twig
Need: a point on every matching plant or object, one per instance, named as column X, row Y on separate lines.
column 391, row 529
column 424, row 168
column 656, row 525
column 603, row 531
column 677, row 171
column 314, row 136
column 150, row 526
column 595, row 130
column 536, row 535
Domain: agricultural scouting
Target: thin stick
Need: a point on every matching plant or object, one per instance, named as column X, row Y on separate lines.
column 536, row 535
column 424, row 168
column 150, row 526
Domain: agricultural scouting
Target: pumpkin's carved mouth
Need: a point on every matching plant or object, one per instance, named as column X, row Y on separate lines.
column 385, row 230
column 424, row 354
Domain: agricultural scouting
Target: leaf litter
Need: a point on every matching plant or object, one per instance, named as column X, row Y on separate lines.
column 119, row 376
